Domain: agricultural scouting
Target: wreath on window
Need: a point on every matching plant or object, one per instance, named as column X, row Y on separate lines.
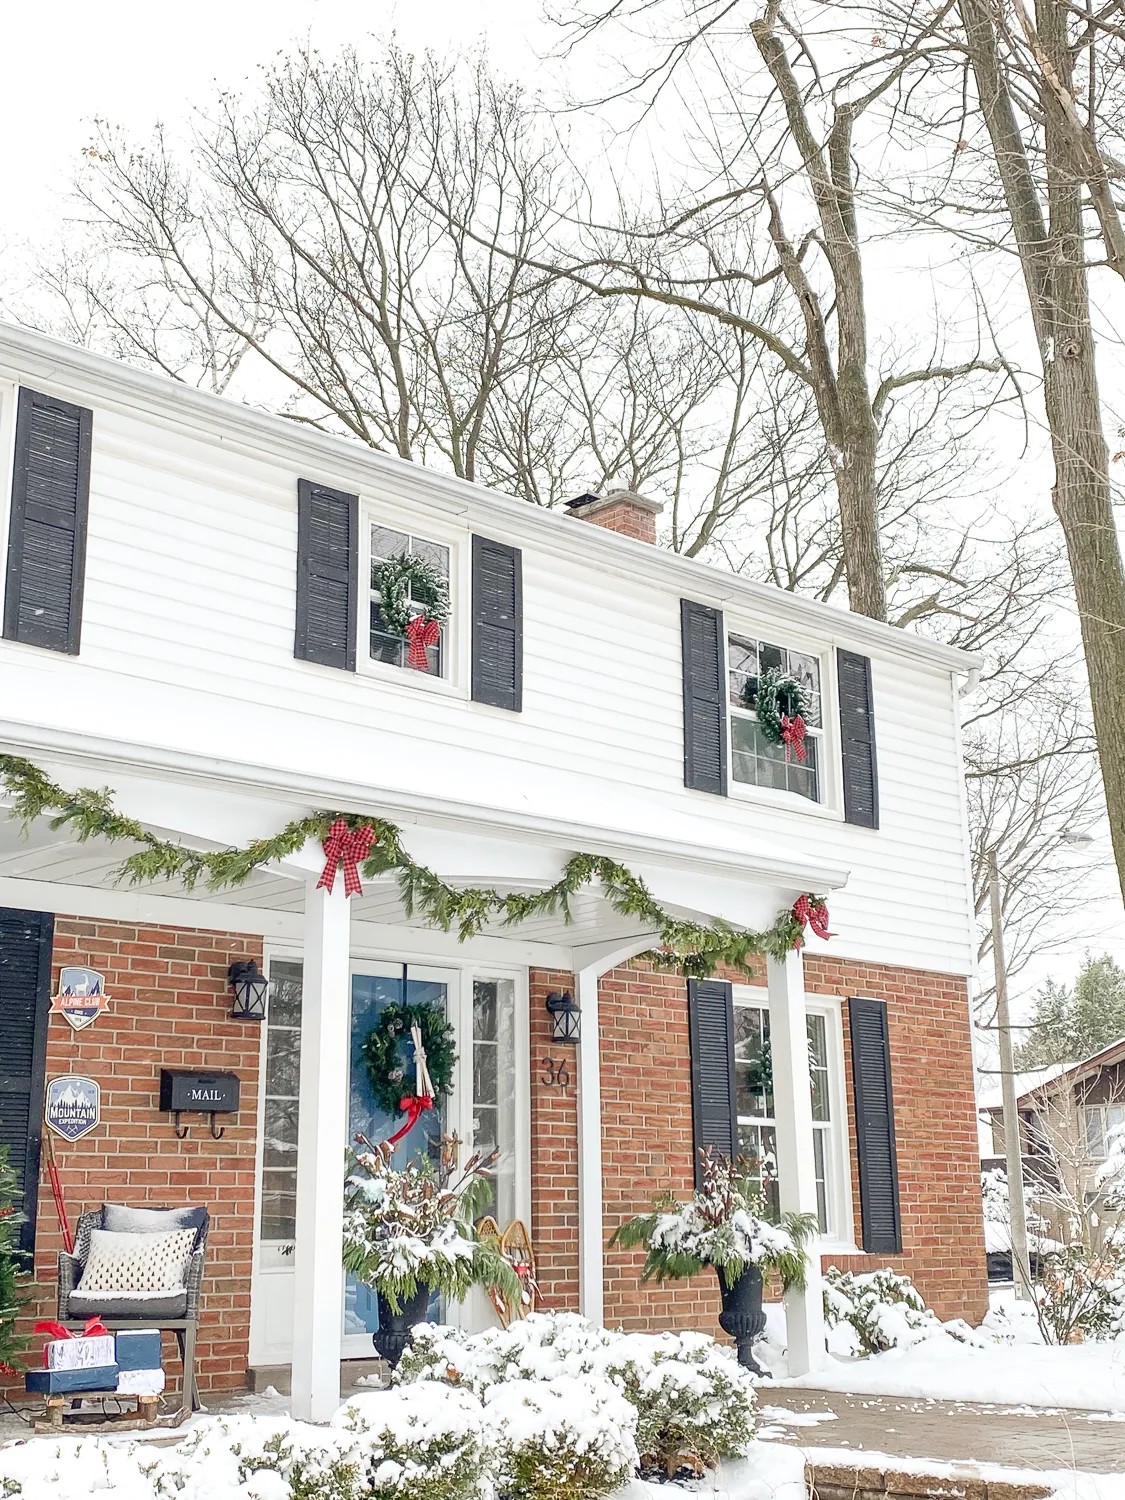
column 781, row 703
column 405, row 582
column 387, row 1054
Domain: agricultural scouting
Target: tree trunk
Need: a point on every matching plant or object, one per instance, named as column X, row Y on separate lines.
column 1052, row 257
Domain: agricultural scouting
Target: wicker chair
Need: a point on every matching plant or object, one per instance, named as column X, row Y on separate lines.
column 178, row 1312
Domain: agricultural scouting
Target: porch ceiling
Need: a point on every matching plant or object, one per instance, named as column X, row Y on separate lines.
column 44, row 855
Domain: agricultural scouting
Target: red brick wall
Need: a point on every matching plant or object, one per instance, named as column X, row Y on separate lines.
column 554, row 1152
column 647, row 1140
column 169, row 1008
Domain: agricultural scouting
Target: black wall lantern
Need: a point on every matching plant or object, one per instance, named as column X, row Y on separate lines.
column 250, row 989
column 566, row 1017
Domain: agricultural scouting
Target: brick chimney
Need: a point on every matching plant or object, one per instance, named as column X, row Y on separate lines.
column 621, row 510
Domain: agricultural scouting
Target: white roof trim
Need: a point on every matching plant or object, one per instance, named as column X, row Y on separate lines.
column 27, row 355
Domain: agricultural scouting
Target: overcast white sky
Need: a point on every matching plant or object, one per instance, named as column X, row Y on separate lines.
column 136, row 65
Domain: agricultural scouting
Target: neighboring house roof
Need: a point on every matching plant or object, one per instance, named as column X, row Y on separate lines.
column 1032, row 1085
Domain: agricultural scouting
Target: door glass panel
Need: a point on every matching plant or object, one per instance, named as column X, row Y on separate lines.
column 371, row 994
column 494, row 1088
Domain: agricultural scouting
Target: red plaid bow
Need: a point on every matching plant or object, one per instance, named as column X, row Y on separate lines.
column 793, row 736
column 94, row 1328
column 421, row 633
column 812, row 913
column 345, row 846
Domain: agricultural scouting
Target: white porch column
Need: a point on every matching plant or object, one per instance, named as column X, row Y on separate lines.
column 792, row 1092
column 591, row 1298
column 321, row 1137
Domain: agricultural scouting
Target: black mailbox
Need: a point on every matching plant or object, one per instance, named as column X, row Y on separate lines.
column 184, row 1091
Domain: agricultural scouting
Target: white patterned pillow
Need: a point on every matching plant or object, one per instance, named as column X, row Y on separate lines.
column 137, row 1262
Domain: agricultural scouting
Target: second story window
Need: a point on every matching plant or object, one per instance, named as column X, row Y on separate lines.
column 390, row 621
column 756, row 759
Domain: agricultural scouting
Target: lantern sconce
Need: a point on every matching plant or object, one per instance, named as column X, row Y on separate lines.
column 250, row 989
column 566, row 1016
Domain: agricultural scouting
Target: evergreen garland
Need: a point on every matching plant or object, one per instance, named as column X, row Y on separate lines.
column 384, row 1059
column 778, row 692
column 13, row 1276
column 406, row 580
column 693, row 948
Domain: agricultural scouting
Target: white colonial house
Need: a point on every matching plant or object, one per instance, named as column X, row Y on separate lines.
column 190, row 620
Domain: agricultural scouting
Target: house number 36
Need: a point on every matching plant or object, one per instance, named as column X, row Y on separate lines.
column 555, row 1074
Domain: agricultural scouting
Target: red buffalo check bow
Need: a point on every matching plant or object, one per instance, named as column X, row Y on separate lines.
column 346, row 846
column 812, row 913
column 793, row 736
column 421, row 633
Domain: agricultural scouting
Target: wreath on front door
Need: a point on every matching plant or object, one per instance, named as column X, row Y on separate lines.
column 781, row 703
column 388, row 1056
column 404, row 583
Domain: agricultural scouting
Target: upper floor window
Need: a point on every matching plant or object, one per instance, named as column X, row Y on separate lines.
column 388, row 644
column 755, row 759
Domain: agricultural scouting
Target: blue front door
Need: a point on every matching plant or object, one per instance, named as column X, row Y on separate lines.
column 371, row 993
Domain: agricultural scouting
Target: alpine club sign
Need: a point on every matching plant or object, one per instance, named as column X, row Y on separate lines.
column 81, row 997
column 73, row 1106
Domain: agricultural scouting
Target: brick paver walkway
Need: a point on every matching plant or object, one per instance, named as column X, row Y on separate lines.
column 908, row 1428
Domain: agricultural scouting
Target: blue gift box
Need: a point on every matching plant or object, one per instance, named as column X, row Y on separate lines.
column 59, row 1382
column 138, row 1349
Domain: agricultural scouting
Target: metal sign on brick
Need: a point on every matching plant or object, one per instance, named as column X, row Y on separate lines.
column 73, row 1107
column 81, row 997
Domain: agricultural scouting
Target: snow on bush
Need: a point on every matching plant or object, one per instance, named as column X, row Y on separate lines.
column 571, row 1438
column 418, row 1443
column 695, row 1403
column 885, row 1310
column 271, row 1458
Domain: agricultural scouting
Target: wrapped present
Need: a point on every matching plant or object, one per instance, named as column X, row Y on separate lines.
column 62, row 1382
column 138, row 1349
column 140, row 1382
column 92, row 1349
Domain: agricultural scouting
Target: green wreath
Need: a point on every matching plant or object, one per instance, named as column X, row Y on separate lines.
column 387, row 1054
column 777, row 692
column 404, row 581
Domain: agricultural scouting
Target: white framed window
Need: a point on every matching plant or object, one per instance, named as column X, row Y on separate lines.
column 753, row 759
column 755, row 1108
column 1099, row 1121
column 383, row 645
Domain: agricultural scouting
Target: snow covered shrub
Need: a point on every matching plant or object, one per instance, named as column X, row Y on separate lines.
column 885, row 1309
column 73, row 1466
column 564, row 1439
column 263, row 1458
column 1080, row 1293
column 417, row 1443
column 694, row 1401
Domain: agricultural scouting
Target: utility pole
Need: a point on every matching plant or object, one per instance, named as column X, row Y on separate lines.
column 1013, row 1146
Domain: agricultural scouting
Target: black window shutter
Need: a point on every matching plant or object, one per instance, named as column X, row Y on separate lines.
column 711, row 1035
column 25, row 1002
column 327, row 575
column 705, row 699
column 857, row 740
column 875, row 1126
column 497, row 624
column 47, row 536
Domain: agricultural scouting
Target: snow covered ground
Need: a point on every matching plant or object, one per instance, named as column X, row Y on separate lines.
column 1067, row 1484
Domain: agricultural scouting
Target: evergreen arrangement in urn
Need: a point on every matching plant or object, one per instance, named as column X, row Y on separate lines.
column 405, row 1230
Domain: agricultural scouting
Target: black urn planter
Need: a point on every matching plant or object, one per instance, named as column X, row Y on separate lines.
column 394, row 1329
column 742, row 1316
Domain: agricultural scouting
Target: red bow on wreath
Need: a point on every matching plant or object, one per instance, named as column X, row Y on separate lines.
column 94, row 1328
column 422, row 1098
column 793, row 736
column 346, row 846
column 421, row 632
column 812, row 913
